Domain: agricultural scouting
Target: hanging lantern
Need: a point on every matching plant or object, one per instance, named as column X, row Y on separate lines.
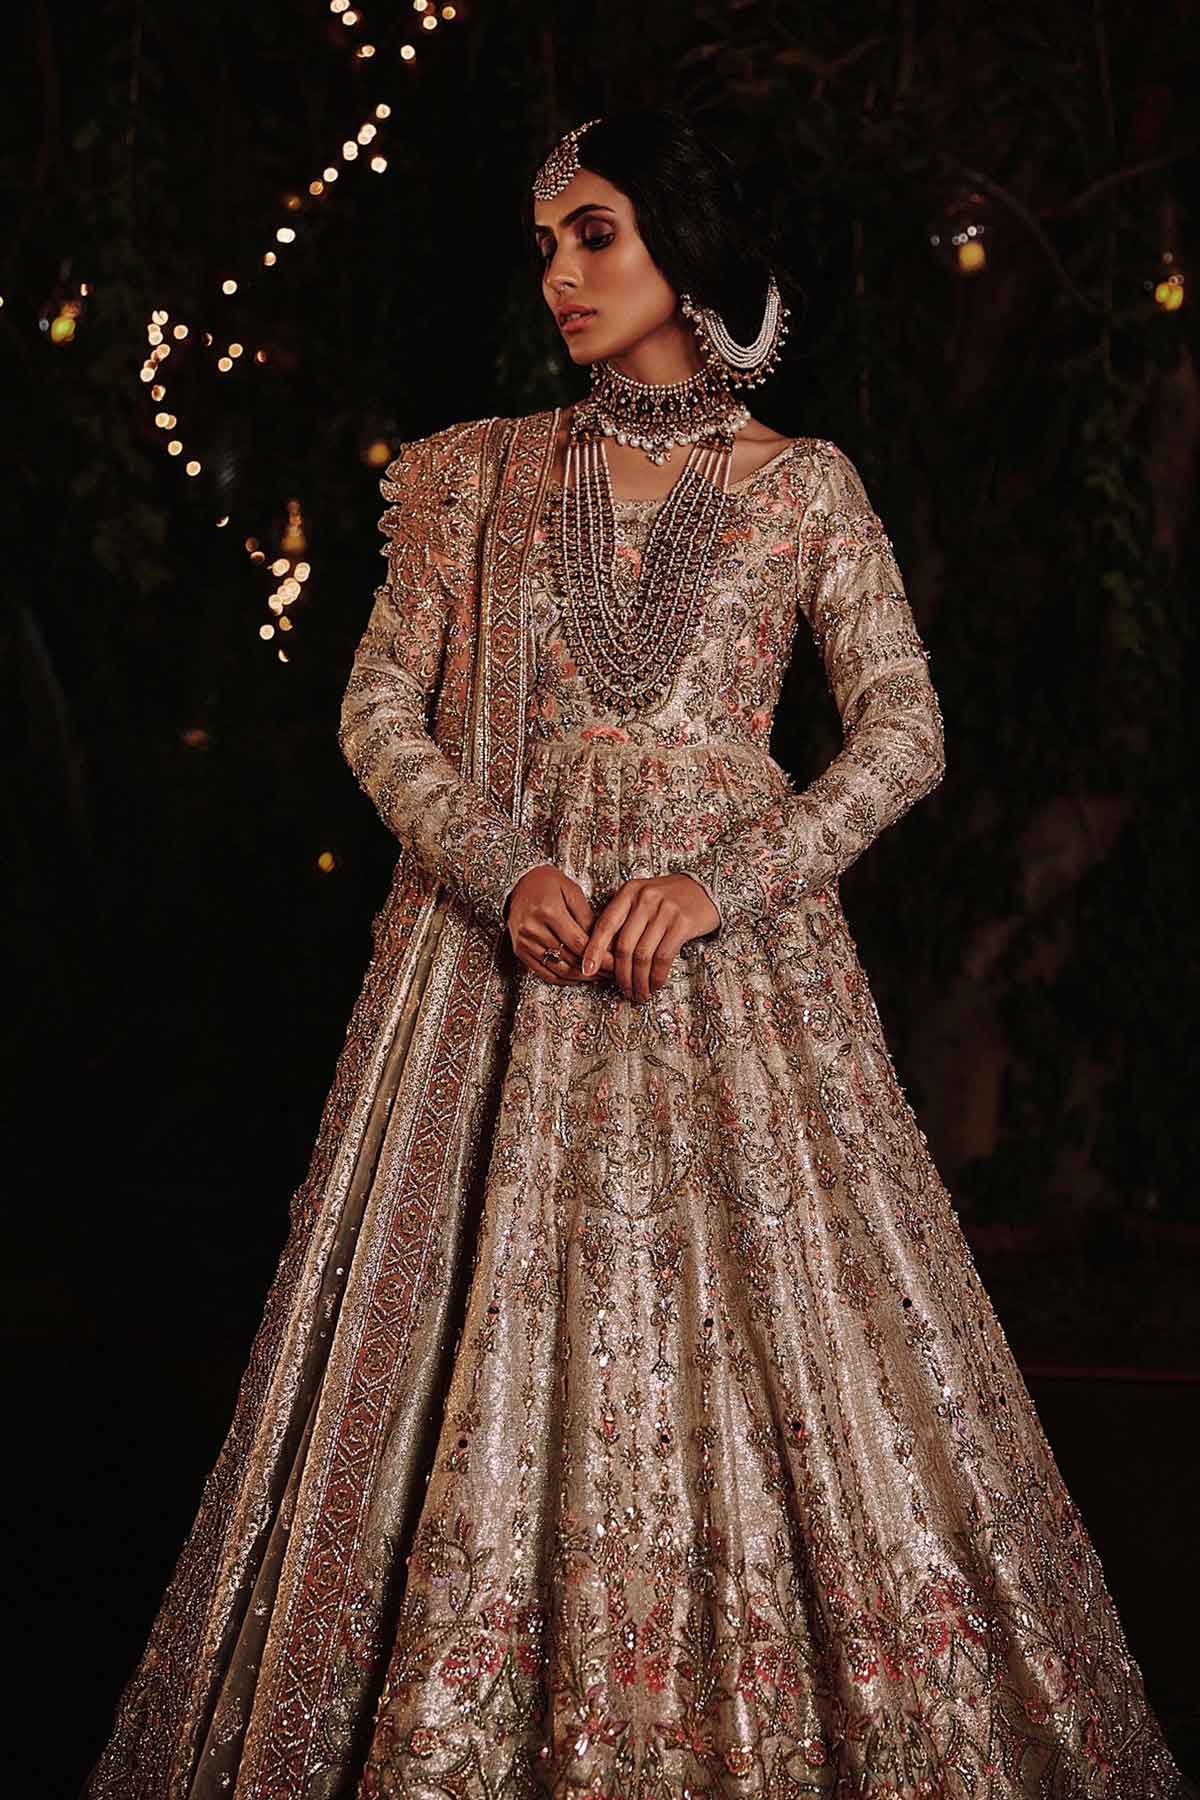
column 293, row 540
column 63, row 307
column 963, row 233
column 1169, row 287
column 378, row 434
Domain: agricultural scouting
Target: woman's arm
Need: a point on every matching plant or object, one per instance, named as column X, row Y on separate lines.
column 421, row 632
column 893, row 749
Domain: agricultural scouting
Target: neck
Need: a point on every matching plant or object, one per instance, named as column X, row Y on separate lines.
column 668, row 354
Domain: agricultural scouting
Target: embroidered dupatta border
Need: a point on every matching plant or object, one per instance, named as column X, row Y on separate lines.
column 282, row 1747
column 165, row 1708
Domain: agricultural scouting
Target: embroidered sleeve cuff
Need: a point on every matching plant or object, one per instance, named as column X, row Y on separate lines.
column 733, row 884
column 526, row 855
column 704, row 879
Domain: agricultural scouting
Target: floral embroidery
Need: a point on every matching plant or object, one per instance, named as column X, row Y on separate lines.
column 787, row 1524
column 732, row 1487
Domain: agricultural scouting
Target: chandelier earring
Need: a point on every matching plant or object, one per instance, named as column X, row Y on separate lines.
column 739, row 364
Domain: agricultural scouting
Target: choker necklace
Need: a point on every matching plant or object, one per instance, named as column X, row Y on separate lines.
column 657, row 416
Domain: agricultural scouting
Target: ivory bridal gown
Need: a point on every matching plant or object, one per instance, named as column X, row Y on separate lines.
column 711, row 1472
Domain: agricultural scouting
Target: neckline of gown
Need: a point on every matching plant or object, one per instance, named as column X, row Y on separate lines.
column 735, row 487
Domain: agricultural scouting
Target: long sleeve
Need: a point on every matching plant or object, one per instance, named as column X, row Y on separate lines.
column 893, row 748
column 420, row 634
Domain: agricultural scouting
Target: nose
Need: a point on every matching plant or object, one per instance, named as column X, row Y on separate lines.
column 558, row 274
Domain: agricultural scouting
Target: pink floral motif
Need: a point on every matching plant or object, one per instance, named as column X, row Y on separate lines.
column 594, row 1722
column 612, row 734
column 465, row 1666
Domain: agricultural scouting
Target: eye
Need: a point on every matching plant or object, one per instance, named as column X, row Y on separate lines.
column 545, row 250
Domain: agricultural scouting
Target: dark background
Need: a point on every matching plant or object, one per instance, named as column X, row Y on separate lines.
column 183, row 966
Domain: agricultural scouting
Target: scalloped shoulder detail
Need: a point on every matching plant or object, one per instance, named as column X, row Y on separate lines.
column 431, row 451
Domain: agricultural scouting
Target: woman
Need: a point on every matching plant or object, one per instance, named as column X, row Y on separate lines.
column 627, row 1417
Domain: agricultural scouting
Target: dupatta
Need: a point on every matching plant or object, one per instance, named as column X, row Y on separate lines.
column 270, row 1643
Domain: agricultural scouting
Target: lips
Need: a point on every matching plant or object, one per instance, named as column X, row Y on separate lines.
column 576, row 317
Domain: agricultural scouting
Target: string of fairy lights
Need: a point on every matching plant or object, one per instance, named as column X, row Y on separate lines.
column 285, row 564
column 287, row 567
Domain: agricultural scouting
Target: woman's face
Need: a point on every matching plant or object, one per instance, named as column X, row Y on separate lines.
column 593, row 256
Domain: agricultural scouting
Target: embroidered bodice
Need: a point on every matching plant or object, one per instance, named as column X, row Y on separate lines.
column 688, row 783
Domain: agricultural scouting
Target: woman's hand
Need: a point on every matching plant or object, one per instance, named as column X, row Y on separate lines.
column 548, row 911
column 650, row 920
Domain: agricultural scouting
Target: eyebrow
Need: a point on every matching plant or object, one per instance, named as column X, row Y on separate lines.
column 588, row 206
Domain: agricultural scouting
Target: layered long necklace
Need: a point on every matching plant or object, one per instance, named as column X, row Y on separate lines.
column 630, row 653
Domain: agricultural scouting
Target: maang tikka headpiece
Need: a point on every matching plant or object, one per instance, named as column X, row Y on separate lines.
column 561, row 164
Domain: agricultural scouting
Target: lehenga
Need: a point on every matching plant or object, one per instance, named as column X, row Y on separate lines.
column 712, row 1473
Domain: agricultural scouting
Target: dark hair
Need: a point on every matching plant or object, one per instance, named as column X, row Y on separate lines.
column 691, row 211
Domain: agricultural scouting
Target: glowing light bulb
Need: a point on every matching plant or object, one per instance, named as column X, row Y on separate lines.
column 1169, row 294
